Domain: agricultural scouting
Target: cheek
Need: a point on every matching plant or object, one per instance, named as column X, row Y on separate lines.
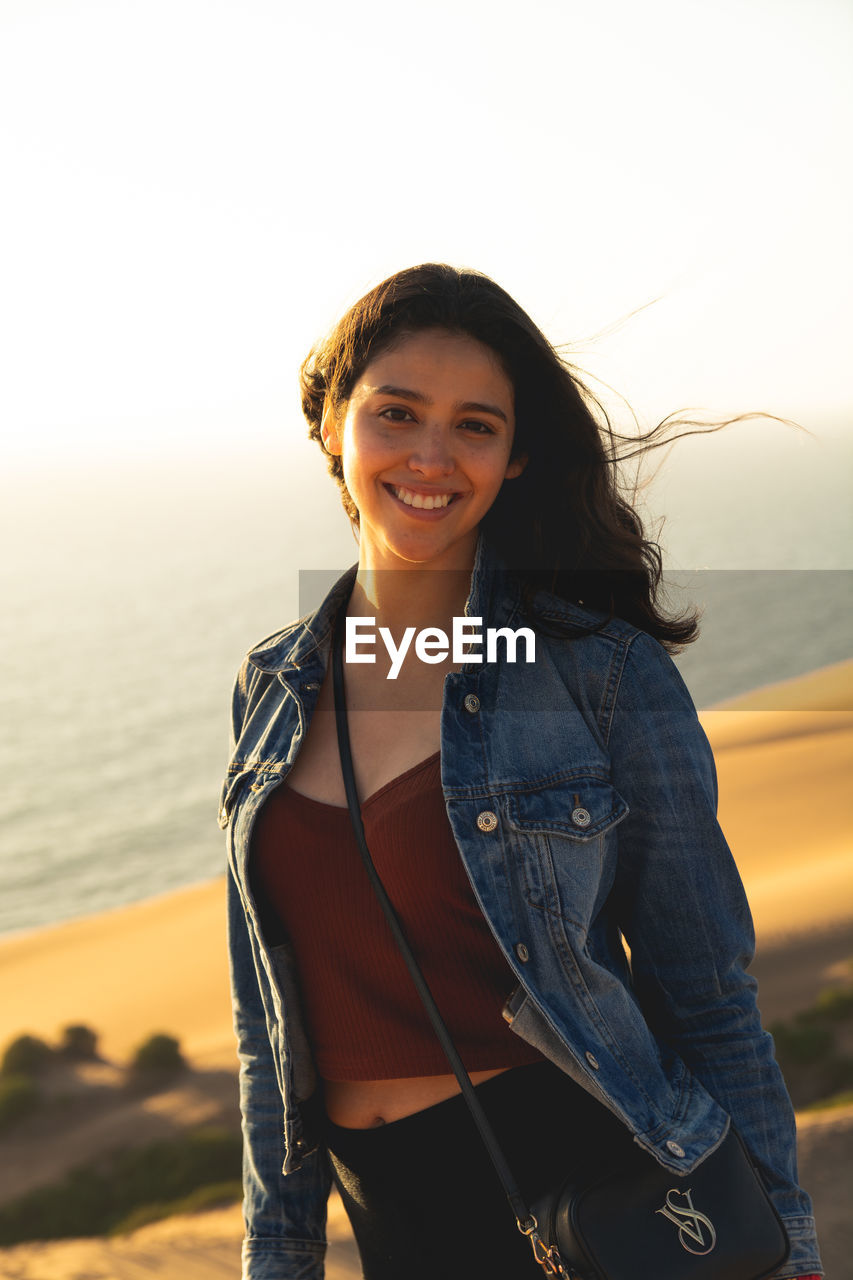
column 491, row 471
column 361, row 459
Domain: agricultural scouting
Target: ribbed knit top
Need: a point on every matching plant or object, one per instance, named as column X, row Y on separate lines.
column 365, row 1018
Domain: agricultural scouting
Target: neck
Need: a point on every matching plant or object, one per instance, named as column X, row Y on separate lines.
column 416, row 597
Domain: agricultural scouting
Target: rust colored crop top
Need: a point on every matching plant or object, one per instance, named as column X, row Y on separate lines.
column 365, row 1018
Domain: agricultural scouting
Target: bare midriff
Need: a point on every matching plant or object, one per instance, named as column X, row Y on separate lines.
column 364, row 1104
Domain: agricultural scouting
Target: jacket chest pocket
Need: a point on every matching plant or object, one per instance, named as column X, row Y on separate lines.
column 559, row 838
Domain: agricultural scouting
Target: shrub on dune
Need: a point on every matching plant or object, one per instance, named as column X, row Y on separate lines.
column 813, row 1049
column 25, row 1056
column 157, row 1058
column 79, row 1043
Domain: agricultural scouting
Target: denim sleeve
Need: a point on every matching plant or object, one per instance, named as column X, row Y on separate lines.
column 684, row 914
column 285, row 1217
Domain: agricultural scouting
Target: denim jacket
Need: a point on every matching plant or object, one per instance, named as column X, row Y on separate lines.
column 582, row 795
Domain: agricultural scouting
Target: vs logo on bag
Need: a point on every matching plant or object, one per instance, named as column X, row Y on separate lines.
column 696, row 1232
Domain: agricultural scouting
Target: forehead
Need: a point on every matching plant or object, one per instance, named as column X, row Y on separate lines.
column 445, row 361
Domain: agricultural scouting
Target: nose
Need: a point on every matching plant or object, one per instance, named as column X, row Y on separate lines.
column 432, row 453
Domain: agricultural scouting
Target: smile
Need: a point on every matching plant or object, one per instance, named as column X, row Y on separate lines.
column 422, row 502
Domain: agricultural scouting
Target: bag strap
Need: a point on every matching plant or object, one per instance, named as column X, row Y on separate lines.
column 525, row 1220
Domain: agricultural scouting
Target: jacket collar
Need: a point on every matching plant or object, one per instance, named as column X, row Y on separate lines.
column 307, row 642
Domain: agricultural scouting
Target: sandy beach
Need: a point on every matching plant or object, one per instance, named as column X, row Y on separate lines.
column 785, row 806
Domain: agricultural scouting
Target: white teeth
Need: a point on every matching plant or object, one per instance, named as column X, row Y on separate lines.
column 418, row 500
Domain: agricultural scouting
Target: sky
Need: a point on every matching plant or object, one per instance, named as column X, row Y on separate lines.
column 195, row 189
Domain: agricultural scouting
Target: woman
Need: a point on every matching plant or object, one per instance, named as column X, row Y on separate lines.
column 525, row 816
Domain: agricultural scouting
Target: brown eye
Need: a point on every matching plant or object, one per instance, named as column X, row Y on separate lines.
column 386, row 413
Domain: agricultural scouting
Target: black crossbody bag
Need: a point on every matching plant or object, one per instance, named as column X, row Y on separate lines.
column 631, row 1218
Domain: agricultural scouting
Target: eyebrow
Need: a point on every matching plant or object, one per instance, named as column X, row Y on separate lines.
column 465, row 406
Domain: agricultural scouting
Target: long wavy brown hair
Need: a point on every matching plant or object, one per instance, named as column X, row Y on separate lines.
column 567, row 525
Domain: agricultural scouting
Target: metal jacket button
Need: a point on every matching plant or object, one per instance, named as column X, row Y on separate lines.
column 592, row 1060
column 675, row 1148
column 580, row 817
column 522, row 952
column 487, row 821
column 471, row 703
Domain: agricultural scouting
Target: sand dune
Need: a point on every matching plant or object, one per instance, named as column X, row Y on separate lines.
column 204, row 1246
column 159, row 965
column 785, row 805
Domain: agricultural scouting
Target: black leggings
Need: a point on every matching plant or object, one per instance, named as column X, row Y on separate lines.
column 422, row 1195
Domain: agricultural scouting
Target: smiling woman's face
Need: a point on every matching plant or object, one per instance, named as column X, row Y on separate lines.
column 425, row 445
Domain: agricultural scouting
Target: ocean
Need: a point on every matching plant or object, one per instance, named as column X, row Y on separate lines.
column 132, row 588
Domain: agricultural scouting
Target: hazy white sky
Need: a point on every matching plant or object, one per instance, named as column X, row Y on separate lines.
column 195, row 188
